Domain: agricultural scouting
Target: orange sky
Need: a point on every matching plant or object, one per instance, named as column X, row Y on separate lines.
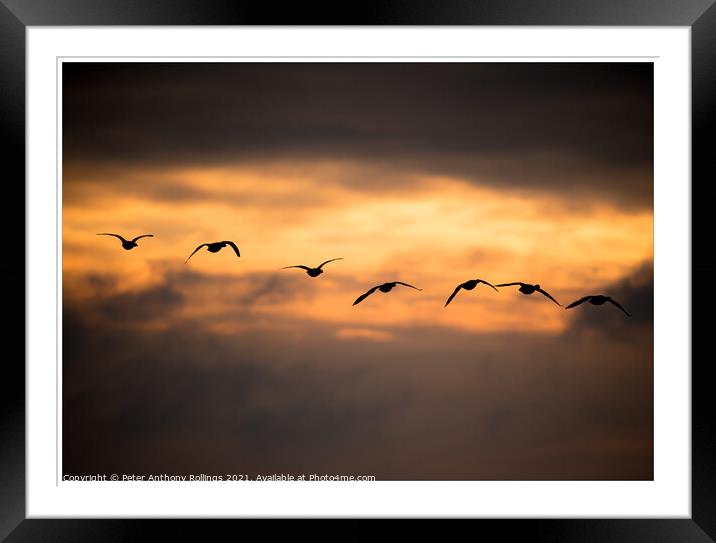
column 434, row 233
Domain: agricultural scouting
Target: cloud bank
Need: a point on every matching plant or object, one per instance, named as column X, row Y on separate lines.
column 577, row 127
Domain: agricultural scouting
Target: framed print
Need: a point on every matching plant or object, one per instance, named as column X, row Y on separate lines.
column 437, row 264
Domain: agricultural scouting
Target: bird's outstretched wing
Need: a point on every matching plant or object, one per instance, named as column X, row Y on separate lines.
column 548, row 296
column 453, row 295
column 302, row 267
column 581, row 301
column 115, row 235
column 233, row 246
column 488, row 284
column 509, row 284
column 364, row 296
column 142, row 236
column 195, row 250
column 407, row 285
column 620, row 307
column 327, row 261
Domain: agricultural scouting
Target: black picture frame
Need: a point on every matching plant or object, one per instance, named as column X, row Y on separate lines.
column 16, row 15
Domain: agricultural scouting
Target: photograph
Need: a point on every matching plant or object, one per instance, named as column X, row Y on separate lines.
column 356, row 270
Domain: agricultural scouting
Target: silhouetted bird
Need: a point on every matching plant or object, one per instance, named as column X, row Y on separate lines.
column 313, row 272
column 385, row 287
column 215, row 248
column 526, row 288
column 126, row 243
column 468, row 285
column 597, row 299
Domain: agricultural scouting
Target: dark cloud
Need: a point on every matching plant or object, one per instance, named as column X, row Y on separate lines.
column 584, row 127
column 433, row 404
column 146, row 304
column 635, row 293
column 101, row 298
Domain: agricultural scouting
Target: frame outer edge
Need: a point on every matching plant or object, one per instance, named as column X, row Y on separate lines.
column 703, row 119
column 12, row 269
column 368, row 12
column 12, row 112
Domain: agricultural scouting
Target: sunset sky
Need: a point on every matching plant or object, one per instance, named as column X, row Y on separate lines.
column 427, row 173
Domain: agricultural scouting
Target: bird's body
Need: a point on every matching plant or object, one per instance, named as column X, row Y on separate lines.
column 526, row 288
column 385, row 287
column 597, row 299
column 313, row 272
column 467, row 285
column 127, row 244
column 215, row 247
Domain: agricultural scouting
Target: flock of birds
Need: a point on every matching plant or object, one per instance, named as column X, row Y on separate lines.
column 525, row 288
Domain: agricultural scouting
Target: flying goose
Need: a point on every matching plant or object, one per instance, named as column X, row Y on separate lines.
column 467, row 285
column 597, row 299
column 385, row 287
column 215, row 248
column 313, row 272
column 127, row 244
column 526, row 288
